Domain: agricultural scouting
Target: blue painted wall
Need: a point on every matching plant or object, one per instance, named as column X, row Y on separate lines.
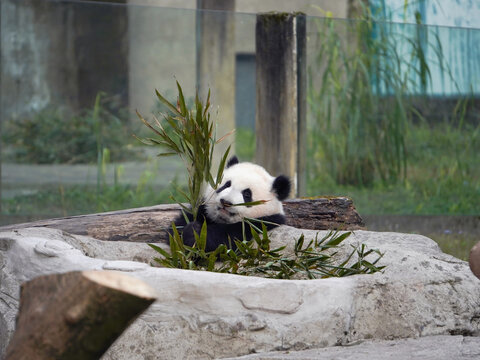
column 451, row 41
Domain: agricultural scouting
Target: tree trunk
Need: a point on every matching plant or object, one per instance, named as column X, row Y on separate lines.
column 76, row 315
column 150, row 224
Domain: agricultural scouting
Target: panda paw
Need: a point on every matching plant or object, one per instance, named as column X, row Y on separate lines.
column 188, row 232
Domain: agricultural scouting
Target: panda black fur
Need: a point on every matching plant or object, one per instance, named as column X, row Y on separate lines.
column 241, row 183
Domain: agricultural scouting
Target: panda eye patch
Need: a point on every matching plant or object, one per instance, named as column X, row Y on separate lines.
column 247, row 195
column 227, row 185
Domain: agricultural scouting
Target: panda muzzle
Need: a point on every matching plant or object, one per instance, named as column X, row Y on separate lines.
column 225, row 203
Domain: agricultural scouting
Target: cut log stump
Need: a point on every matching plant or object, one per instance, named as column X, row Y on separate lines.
column 150, row 224
column 474, row 260
column 76, row 315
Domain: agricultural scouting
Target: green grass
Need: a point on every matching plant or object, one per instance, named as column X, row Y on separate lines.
column 370, row 137
column 245, row 144
column 458, row 245
column 427, row 198
column 442, row 176
column 58, row 201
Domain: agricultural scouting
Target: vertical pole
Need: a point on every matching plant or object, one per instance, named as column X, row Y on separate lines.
column 1, row 99
column 280, row 117
column 302, row 104
column 216, row 64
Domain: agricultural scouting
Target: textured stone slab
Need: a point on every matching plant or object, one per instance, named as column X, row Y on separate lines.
column 202, row 315
column 427, row 348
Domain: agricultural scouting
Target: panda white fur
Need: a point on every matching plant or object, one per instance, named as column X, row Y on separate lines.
column 242, row 183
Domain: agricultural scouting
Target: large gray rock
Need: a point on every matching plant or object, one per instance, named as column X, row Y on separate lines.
column 422, row 292
column 440, row 347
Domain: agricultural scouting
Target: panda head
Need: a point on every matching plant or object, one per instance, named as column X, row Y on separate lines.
column 242, row 183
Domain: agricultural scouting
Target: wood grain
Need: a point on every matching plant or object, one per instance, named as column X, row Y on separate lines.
column 76, row 315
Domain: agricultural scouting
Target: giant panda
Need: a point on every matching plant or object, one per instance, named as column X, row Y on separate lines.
column 242, row 182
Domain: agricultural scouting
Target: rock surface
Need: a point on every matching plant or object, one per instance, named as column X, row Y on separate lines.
column 199, row 315
column 427, row 348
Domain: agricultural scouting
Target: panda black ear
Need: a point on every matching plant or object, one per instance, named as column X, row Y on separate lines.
column 233, row 160
column 281, row 186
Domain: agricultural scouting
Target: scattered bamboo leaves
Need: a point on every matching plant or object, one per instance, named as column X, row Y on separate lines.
column 312, row 260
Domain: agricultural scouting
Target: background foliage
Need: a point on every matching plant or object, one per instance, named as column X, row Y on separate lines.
column 371, row 135
column 54, row 136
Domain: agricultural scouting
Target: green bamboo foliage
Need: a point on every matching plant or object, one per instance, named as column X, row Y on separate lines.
column 191, row 136
column 313, row 260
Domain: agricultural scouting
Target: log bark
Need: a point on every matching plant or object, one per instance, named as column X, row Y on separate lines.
column 76, row 315
column 280, row 68
column 332, row 213
column 150, row 224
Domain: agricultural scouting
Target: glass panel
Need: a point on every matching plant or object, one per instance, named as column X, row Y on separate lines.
column 393, row 109
column 73, row 74
column 393, row 121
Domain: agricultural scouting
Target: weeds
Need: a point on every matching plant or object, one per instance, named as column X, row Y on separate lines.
column 360, row 134
column 363, row 84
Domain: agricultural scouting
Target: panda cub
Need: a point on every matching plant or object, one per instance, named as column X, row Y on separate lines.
column 242, row 183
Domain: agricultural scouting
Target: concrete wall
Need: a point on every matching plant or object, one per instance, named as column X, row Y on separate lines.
column 310, row 7
column 27, row 48
column 64, row 53
column 162, row 42
column 162, row 50
column 60, row 53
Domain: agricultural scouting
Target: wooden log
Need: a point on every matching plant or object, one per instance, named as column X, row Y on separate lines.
column 76, row 315
column 280, row 77
column 333, row 213
column 150, row 224
column 474, row 260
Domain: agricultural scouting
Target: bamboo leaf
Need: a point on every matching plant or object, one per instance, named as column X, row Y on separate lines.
column 336, row 240
column 221, row 167
column 164, row 101
column 147, row 123
column 181, row 100
column 159, row 250
column 251, row 203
